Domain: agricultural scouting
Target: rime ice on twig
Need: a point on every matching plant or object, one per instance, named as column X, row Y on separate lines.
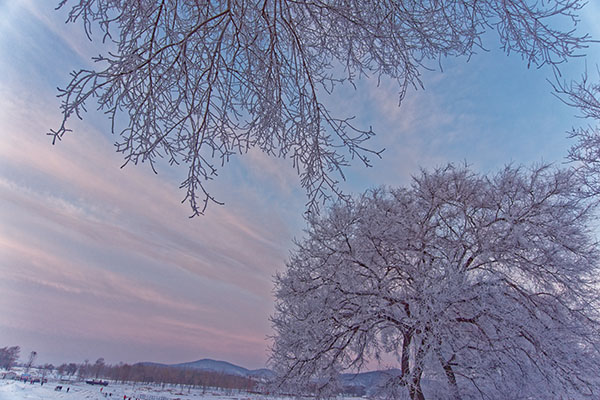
column 584, row 95
column 202, row 80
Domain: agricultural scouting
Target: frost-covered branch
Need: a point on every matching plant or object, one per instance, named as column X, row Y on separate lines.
column 584, row 95
column 197, row 82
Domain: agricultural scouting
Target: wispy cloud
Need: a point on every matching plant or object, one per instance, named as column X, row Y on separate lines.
column 78, row 229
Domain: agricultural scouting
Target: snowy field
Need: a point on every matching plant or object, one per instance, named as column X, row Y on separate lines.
column 15, row 390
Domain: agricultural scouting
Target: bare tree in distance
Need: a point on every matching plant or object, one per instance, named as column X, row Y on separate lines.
column 9, row 356
column 71, row 368
column 98, row 367
column 84, row 369
column 196, row 82
column 480, row 287
column 46, row 369
column 62, row 370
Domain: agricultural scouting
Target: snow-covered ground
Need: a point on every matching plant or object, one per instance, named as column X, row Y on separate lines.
column 15, row 390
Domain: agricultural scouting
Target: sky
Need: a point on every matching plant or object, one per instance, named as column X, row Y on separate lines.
column 102, row 261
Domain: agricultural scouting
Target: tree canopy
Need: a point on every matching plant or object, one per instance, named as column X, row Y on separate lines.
column 196, row 82
column 478, row 286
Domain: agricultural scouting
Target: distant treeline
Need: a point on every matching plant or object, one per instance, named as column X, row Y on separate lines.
column 148, row 373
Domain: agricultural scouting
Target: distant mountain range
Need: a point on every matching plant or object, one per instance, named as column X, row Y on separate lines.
column 224, row 367
column 366, row 380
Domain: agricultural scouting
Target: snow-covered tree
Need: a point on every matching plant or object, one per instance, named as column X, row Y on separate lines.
column 191, row 81
column 478, row 286
column 584, row 95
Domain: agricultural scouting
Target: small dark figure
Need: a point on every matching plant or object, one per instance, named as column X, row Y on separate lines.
column 58, row 388
column 68, row 389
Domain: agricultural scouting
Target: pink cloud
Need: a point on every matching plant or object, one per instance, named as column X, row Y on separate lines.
column 115, row 248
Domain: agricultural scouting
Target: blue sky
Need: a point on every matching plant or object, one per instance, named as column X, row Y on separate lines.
column 98, row 261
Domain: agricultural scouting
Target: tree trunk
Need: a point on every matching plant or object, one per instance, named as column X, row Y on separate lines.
column 450, row 376
column 404, row 362
column 414, row 388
